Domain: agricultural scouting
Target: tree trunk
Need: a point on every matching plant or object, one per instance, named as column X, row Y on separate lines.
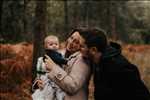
column 66, row 17
column 113, row 14
column 40, row 30
column 86, row 13
column 108, row 29
column 26, row 32
column 1, row 13
column 76, row 14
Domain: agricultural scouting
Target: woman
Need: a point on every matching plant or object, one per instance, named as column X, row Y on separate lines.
column 73, row 79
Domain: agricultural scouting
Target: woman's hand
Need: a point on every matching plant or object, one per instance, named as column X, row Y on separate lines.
column 49, row 63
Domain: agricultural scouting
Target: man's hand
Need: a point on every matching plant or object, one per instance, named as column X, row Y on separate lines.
column 49, row 63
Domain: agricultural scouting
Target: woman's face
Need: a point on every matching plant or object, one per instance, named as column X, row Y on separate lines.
column 74, row 42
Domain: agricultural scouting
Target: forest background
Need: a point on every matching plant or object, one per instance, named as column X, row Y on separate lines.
column 25, row 23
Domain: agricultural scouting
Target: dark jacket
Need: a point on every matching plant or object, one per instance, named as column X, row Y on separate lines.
column 56, row 57
column 117, row 79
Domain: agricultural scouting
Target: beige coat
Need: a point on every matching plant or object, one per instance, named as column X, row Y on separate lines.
column 73, row 79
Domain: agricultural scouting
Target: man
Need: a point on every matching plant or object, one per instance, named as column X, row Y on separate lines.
column 115, row 78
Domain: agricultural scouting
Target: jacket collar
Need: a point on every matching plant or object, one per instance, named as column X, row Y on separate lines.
column 74, row 55
column 112, row 50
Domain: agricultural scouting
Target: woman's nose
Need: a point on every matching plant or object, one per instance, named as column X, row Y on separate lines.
column 71, row 42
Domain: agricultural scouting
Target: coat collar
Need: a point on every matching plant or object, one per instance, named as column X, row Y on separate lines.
column 72, row 55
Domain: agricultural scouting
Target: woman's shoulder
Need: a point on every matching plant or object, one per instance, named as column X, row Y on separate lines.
column 77, row 58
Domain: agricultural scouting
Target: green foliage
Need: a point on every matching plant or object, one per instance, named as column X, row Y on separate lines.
column 18, row 18
column 12, row 20
column 55, row 16
column 139, row 36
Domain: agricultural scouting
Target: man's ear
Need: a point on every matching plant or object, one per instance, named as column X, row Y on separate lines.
column 93, row 50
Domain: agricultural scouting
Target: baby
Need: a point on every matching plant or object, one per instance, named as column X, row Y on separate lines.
column 44, row 88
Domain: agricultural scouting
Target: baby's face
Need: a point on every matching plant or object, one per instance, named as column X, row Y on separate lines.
column 52, row 44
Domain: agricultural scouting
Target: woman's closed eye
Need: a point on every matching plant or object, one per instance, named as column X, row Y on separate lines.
column 76, row 41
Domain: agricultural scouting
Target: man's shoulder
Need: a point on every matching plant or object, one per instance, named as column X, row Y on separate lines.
column 118, row 62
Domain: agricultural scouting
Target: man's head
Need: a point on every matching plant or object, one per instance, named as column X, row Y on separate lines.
column 51, row 42
column 96, row 42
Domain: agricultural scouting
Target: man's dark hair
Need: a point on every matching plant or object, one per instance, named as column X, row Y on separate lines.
column 94, row 37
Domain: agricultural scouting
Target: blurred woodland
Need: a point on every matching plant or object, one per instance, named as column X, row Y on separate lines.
column 124, row 20
column 25, row 23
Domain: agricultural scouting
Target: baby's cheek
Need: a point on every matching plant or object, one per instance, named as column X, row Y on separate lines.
column 49, row 47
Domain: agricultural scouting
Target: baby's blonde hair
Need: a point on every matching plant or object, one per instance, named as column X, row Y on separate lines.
column 50, row 37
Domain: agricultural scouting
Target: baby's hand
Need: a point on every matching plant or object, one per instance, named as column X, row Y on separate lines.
column 40, row 84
